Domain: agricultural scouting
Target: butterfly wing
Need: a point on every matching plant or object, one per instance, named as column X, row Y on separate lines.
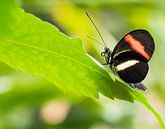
column 135, row 73
column 139, row 41
column 129, row 66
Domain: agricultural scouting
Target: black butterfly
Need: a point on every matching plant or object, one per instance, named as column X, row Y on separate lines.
column 130, row 57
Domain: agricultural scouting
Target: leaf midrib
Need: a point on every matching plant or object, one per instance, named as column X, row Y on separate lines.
column 55, row 53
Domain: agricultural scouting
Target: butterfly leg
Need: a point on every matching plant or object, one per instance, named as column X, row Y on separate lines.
column 132, row 85
column 104, row 64
column 113, row 69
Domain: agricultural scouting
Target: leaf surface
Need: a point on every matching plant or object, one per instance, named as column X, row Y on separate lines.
column 39, row 48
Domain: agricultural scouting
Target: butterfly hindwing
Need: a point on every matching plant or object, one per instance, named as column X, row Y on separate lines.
column 130, row 67
column 139, row 41
column 135, row 73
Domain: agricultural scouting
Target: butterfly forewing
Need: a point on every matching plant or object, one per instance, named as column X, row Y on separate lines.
column 139, row 41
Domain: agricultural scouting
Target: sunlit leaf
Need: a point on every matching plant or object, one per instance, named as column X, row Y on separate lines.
column 38, row 48
column 6, row 16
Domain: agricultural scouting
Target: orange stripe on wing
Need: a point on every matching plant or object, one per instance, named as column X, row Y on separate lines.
column 136, row 45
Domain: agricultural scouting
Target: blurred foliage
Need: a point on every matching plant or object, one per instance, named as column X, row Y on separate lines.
column 23, row 97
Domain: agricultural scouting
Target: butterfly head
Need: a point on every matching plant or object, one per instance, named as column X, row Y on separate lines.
column 106, row 54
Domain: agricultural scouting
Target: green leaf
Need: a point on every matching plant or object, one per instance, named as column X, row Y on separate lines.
column 121, row 92
column 39, row 48
column 5, row 69
column 6, row 16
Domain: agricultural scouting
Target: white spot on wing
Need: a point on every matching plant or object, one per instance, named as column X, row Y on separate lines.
column 126, row 64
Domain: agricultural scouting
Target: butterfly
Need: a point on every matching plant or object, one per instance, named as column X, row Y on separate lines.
column 129, row 59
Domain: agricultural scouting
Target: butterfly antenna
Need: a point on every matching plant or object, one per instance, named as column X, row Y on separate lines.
column 95, row 41
column 96, row 29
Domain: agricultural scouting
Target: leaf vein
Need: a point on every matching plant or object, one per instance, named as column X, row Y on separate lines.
column 55, row 53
